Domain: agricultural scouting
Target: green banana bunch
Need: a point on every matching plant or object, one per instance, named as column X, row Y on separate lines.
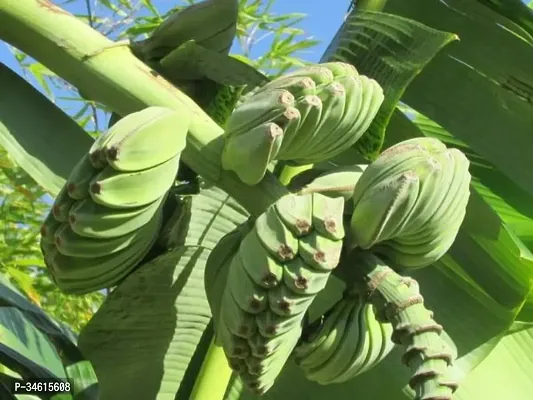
column 410, row 202
column 348, row 342
column 108, row 215
column 211, row 24
column 303, row 117
column 260, row 287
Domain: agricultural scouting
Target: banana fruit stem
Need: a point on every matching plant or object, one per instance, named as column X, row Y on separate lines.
column 112, row 75
column 214, row 376
column 289, row 172
column 397, row 300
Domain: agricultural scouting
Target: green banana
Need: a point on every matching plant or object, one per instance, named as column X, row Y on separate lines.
column 62, row 204
column 133, row 189
column 410, row 202
column 297, row 213
column 48, row 229
column 311, row 353
column 339, row 345
column 262, row 268
column 270, row 285
column 253, row 150
column 301, row 279
column 310, row 108
column 250, row 297
column 77, row 275
column 322, row 110
column 91, row 220
column 349, row 342
column 276, row 236
column 71, row 244
column 217, row 268
column 211, row 23
column 320, row 252
column 79, row 179
column 135, row 143
column 265, row 107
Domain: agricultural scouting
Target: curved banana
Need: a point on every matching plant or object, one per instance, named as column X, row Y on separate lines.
column 71, row 244
column 217, row 267
column 271, row 283
column 410, row 202
column 320, row 111
column 349, row 342
column 91, row 220
column 78, row 181
column 77, row 275
column 62, row 205
column 143, row 140
column 133, row 189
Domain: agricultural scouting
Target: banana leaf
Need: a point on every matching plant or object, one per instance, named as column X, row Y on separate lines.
column 34, row 346
column 40, row 137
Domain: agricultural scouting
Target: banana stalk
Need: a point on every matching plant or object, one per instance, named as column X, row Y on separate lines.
column 397, row 301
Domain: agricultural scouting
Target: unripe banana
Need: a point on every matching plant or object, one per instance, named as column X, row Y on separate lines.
column 70, row 244
column 77, row 275
column 78, row 181
column 48, row 229
column 253, row 150
column 410, row 202
column 217, row 267
column 271, row 282
column 349, row 342
column 321, row 110
column 133, row 189
column 143, row 140
column 62, row 204
column 111, row 206
column 92, row 220
column 211, row 23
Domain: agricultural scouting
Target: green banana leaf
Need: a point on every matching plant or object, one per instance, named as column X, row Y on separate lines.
column 40, row 137
column 154, row 328
column 390, row 49
column 487, row 73
column 37, row 347
column 515, row 10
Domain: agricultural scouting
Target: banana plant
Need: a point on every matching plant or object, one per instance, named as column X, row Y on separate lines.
column 329, row 233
